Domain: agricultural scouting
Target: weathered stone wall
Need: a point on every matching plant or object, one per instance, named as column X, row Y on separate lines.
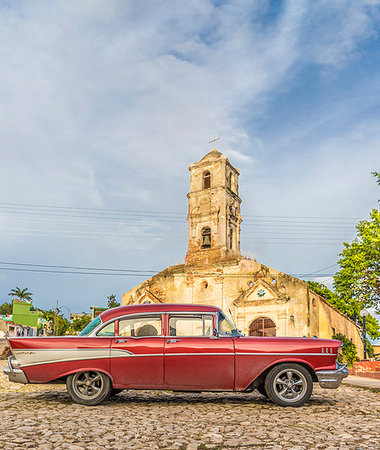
column 248, row 290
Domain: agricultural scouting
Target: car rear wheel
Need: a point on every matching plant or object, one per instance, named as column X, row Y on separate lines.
column 289, row 384
column 89, row 387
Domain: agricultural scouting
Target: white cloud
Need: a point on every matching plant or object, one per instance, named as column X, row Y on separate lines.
column 105, row 104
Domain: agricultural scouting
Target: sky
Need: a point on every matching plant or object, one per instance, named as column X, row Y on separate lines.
column 104, row 104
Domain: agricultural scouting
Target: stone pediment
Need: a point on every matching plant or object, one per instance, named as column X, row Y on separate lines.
column 147, row 297
column 260, row 291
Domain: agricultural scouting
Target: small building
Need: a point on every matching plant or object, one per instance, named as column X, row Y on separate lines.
column 96, row 310
column 9, row 328
column 25, row 314
column 261, row 300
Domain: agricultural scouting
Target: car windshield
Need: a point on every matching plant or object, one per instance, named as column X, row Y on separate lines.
column 91, row 326
column 226, row 327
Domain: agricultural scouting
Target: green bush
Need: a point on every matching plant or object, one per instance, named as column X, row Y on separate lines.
column 348, row 350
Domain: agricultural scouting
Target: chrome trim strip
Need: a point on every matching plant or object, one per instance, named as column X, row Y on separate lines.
column 11, row 369
column 30, row 357
column 199, row 354
column 286, row 354
column 158, row 313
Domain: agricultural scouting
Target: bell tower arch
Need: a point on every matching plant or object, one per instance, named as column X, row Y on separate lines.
column 214, row 210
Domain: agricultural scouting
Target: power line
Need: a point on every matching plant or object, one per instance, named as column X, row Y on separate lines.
column 132, row 271
column 85, row 210
column 187, row 275
column 74, row 267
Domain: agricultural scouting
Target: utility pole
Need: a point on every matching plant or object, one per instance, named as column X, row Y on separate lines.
column 56, row 320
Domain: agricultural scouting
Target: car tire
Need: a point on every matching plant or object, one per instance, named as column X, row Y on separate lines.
column 261, row 390
column 116, row 391
column 89, row 387
column 289, row 384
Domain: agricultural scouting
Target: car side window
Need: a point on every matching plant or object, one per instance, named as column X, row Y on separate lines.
column 140, row 326
column 190, row 325
column 108, row 330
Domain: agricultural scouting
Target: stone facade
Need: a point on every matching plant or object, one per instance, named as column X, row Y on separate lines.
column 261, row 300
column 214, row 210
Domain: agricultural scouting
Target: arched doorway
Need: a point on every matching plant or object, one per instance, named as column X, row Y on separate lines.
column 262, row 326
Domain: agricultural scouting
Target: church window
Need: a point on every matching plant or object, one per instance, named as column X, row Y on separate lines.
column 204, row 285
column 206, row 179
column 250, row 283
column 206, row 238
column 261, row 293
column 262, row 327
column 229, row 180
column 231, row 237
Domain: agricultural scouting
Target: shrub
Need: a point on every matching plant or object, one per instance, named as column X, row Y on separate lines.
column 348, row 350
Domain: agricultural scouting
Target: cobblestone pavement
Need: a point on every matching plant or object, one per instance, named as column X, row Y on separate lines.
column 43, row 416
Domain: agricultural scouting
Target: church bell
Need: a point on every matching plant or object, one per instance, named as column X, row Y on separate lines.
column 207, row 241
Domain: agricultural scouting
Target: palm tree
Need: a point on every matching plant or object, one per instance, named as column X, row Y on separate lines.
column 22, row 294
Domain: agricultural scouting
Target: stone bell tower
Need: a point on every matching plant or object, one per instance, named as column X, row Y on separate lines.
column 214, row 210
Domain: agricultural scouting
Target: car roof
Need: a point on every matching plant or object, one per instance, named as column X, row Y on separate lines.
column 156, row 308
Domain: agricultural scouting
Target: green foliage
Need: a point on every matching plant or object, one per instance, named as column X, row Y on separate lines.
column 112, row 302
column 359, row 275
column 60, row 325
column 349, row 306
column 79, row 323
column 22, row 294
column 377, row 176
column 370, row 350
column 349, row 349
column 6, row 309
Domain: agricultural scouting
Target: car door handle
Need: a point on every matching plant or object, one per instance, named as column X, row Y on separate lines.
column 120, row 341
column 170, row 341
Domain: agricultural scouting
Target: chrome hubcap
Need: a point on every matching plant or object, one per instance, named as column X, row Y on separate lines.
column 87, row 384
column 290, row 385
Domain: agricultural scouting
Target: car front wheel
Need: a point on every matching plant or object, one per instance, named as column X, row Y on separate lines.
column 289, row 384
column 89, row 387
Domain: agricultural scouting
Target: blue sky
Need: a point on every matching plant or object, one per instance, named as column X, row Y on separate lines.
column 104, row 104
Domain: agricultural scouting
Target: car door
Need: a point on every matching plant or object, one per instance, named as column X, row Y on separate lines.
column 137, row 352
column 194, row 358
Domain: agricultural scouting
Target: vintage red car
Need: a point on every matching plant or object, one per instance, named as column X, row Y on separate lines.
column 175, row 347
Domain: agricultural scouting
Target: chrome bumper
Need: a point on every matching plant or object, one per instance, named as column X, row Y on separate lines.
column 331, row 379
column 15, row 374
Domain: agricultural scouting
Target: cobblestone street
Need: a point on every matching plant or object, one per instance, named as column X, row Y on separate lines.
column 43, row 416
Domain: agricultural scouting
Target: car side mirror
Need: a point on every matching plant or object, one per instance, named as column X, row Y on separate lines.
column 215, row 333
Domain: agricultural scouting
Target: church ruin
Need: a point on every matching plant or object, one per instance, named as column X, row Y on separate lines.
column 262, row 301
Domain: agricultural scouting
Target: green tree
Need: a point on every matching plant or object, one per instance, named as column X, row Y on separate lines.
column 60, row 325
column 359, row 274
column 112, row 302
column 377, row 176
column 22, row 294
column 6, row 309
column 79, row 323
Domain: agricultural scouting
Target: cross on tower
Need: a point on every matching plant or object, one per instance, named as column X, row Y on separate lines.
column 214, row 140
